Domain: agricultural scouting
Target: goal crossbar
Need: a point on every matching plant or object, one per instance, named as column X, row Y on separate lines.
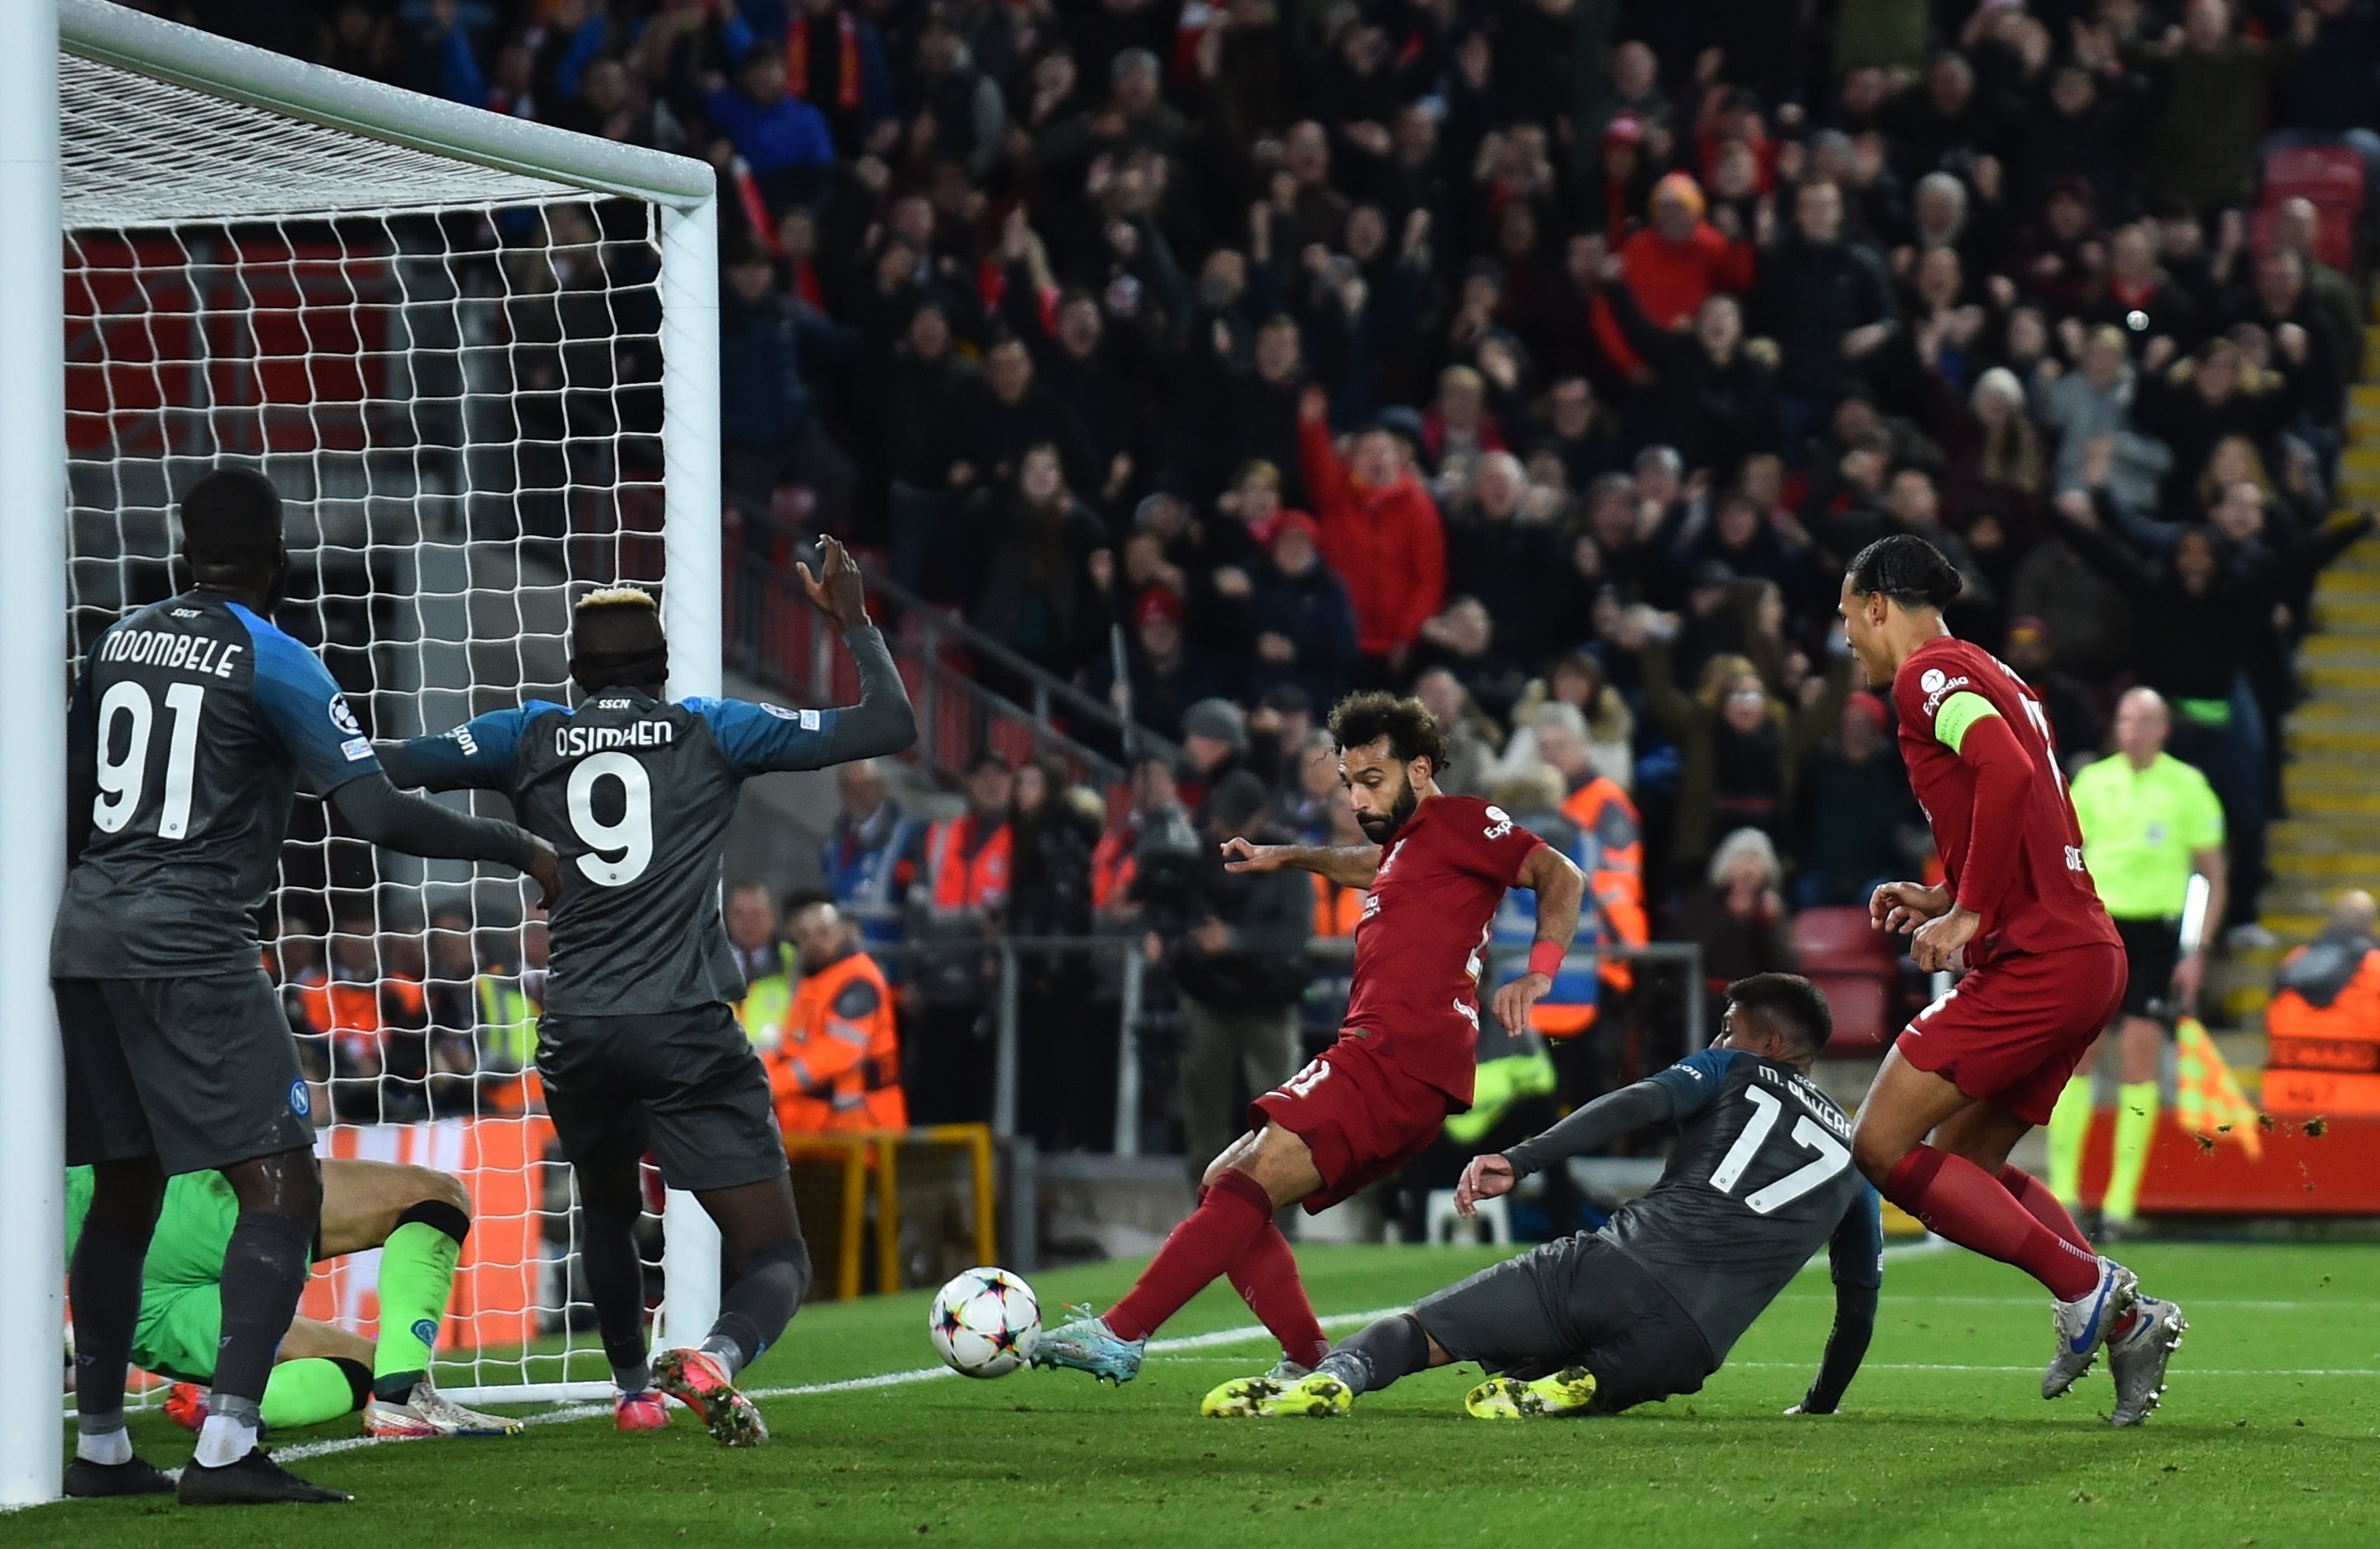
column 113, row 35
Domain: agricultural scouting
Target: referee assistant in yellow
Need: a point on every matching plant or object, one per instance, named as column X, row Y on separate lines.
column 2149, row 822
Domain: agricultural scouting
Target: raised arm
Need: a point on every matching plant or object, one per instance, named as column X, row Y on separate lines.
column 1348, row 865
column 1856, row 1253
column 759, row 739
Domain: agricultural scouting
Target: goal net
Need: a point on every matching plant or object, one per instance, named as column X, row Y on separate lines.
column 444, row 336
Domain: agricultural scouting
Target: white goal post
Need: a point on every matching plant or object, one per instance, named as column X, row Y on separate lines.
column 210, row 251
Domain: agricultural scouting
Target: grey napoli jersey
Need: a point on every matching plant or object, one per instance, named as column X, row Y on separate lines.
column 635, row 794
column 1759, row 1179
column 192, row 723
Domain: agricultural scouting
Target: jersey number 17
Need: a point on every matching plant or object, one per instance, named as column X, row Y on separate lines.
column 1833, row 1156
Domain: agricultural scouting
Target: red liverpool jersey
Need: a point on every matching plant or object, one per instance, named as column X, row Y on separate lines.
column 1425, row 922
column 2050, row 901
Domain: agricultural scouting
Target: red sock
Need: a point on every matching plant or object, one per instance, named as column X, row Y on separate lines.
column 1968, row 1205
column 2042, row 1205
column 1202, row 1248
column 1266, row 1277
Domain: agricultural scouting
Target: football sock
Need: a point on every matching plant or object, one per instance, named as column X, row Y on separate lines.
column 102, row 1438
column 264, row 1270
column 2042, row 1205
column 1380, row 1353
column 758, row 1303
column 615, row 1284
column 2070, row 1127
column 1968, row 1205
column 417, row 1271
column 2136, row 1111
column 104, row 1286
column 1266, row 1277
column 317, row 1388
column 224, row 1439
column 1198, row 1253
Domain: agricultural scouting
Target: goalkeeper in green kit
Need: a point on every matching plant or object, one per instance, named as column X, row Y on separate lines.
column 416, row 1216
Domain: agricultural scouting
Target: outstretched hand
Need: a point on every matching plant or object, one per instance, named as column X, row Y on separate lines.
column 1239, row 855
column 836, row 589
column 1485, row 1178
column 1514, row 1000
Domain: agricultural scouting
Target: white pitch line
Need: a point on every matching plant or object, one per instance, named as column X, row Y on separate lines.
column 1218, row 1338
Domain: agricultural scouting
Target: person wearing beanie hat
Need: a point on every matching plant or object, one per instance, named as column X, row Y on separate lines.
column 1215, row 736
column 1673, row 265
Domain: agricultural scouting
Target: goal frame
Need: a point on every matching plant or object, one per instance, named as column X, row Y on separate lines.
column 33, row 551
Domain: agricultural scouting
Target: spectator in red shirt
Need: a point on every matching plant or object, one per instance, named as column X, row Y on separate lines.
column 1673, row 265
column 1380, row 532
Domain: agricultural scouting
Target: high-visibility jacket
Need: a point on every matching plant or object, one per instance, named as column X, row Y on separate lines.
column 1612, row 857
column 2325, row 1014
column 967, row 872
column 1338, row 908
column 838, row 1066
column 1113, row 865
column 768, row 1002
column 508, row 1041
column 354, row 1012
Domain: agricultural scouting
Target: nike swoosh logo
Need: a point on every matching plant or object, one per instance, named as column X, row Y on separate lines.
column 2091, row 1329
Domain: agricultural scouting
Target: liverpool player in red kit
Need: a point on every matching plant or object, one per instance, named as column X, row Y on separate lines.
column 2043, row 972
column 1436, row 868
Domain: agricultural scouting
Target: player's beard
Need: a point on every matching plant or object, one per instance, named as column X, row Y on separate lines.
column 1381, row 828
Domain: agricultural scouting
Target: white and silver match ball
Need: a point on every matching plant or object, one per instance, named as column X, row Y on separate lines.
column 985, row 1323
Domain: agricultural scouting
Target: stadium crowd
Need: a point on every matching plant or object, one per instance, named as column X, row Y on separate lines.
column 1549, row 357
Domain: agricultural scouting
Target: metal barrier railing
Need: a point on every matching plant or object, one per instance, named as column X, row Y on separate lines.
column 773, row 634
column 1330, row 953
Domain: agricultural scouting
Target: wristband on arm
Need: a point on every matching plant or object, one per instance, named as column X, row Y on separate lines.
column 1545, row 957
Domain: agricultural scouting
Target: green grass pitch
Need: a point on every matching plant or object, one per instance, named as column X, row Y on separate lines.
column 2267, row 1437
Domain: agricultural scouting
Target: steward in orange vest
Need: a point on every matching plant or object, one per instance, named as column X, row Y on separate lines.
column 838, row 1065
column 2325, row 1014
column 1612, row 856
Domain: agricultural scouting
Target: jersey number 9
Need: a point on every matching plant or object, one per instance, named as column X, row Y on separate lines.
column 622, row 849
column 121, row 780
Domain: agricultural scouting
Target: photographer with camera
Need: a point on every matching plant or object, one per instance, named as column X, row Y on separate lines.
column 1236, row 946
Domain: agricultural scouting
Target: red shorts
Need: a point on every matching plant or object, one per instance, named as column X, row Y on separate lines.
column 2012, row 1031
column 1360, row 1116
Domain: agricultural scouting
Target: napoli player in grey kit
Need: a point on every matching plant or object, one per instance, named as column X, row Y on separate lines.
column 193, row 722
column 638, row 1046
column 1759, row 1178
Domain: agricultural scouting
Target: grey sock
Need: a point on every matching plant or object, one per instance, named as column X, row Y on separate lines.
column 1377, row 1355
column 632, row 1379
column 264, row 1272
column 1352, row 1367
column 762, row 1300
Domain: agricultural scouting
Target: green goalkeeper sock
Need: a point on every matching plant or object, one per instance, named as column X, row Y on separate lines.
column 317, row 1388
column 417, row 1270
column 2069, row 1127
column 2136, row 1111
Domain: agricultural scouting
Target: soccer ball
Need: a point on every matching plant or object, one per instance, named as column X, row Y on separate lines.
column 984, row 1324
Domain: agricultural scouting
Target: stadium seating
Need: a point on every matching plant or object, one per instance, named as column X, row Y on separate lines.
column 1853, row 966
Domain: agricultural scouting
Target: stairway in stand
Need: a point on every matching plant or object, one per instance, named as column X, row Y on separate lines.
column 2330, row 840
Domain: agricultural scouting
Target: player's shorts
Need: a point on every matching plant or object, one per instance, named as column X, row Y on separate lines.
column 2151, row 947
column 2012, row 1031
column 684, row 1085
column 1361, row 1117
column 199, row 1072
column 1579, row 1301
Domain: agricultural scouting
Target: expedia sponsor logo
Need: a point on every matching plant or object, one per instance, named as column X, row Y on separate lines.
column 1499, row 823
column 1936, row 690
column 572, row 743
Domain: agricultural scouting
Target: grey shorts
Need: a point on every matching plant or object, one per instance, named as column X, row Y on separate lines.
column 684, row 1085
column 199, row 1072
column 1576, row 1302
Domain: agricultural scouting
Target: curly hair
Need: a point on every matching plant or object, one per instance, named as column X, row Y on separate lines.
column 1360, row 720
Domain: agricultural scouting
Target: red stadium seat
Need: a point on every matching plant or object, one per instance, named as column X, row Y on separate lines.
column 2326, row 174
column 1863, row 1009
column 1841, row 940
